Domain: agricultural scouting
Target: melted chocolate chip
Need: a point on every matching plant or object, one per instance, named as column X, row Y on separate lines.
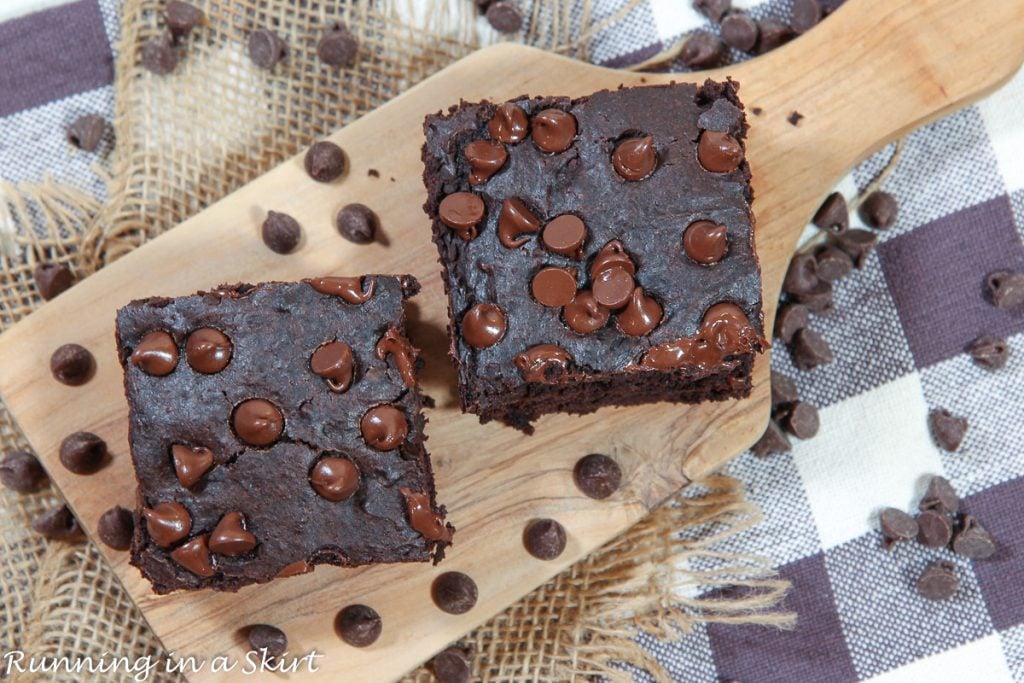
column 167, row 523
column 724, row 330
column 83, row 452
column 191, row 463
column 268, row 640
column 72, row 365
column 612, row 255
column 484, row 325
column 485, row 158
column 52, row 279
column 509, row 124
column 358, row 625
column 384, row 427
column 116, row 527
column 553, row 287
column 194, row 555
column 462, row 212
column 357, row 223
column 208, row 350
column 334, row 362
column 266, row 48
column 635, row 158
column 335, row 479
column 973, row 541
column 230, row 536
column 719, row 152
column 544, row 539
column 294, row 569
column 20, row 471
column 402, row 352
column 584, row 314
column 338, row 47
column 543, row 363
column 454, row 592
column 258, row 422
column 641, row 315
column 515, row 220
column 597, row 476
column 554, row 130
column 422, row 517
column 353, row 290
column 324, row 161
column 280, row 232
column 156, row 354
column 565, row 235
column 705, row 242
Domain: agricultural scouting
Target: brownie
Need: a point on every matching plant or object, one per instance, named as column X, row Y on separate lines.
column 275, row 427
column 596, row 251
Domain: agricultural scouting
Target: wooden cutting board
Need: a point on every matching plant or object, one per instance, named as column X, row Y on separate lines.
column 871, row 72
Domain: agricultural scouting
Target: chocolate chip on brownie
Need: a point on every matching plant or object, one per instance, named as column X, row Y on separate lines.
column 20, row 471
column 809, row 350
column 947, row 429
column 267, row 640
column 739, row 31
column 597, row 476
column 280, row 232
column 990, row 352
column 266, row 48
column 72, row 364
column 774, row 440
column 86, row 132
column 938, row 581
column 338, row 47
column 833, row 215
column 116, row 527
column 58, row 524
column 454, row 592
column 973, row 540
column 879, row 210
column 544, row 539
column 1006, row 288
column 896, row 525
column 703, row 51
column 934, row 529
column 358, row 625
column 790, row 319
column 83, row 452
column 52, row 279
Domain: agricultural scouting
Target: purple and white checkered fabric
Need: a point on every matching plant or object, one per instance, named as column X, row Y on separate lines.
column 899, row 332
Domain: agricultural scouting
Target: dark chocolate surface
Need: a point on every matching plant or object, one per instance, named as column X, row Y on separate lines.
column 274, row 329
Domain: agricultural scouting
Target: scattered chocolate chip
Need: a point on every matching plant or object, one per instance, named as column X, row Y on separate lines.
column 858, row 245
column 156, row 354
column 462, row 212
column 384, row 427
column 597, row 476
column 544, row 539
column 58, row 524
column 52, row 279
column 805, row 15
column 86, row 132
column 454, row 592
column 553, row 130
column 267, row 639
column 783, row 389
column 635, row 158
column 973, row 540
column 896, row 525
column 484, row 325
column 505, row 16
column 833, row 215
column 450, row 666
column 801, row 420
column 509, row 124
column 612, row 287
column 158, row 54
column 802, row 274
column 357, row 223
column 191, row 463
column 181, row 17
column 334, row 478
column 280, row 232
column 940, row 496
column 790, row 319
column 358, row 625
column 703, row 50
column 485, row 157
column 584, row 314
column 565, row 235
column 230, row 537
column 809, row 350
column 818, row 299
column 208, row 350
column 257, row 422
column 553, row 286
column 947, row 429
column 938, row 581
column 1006, row 289
column 83, row 452
column 72, row 365
column 325, row 161
column 739, row 31
column 794, row 118
column 774, row 440
column 266, row 48
column 773, row 33
column 990, row 352
column 879, row 210
column 833, row 264
column 20, row 471
column 934, row 529
column 713, row 9
column 705, row 243
column 116, row 527
column 337, row 47
column 719, row 152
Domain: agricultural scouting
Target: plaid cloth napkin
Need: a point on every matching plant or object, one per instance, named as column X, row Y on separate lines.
column 899, row 333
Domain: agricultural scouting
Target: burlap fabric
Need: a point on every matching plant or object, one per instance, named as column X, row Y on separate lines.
column 179, row 148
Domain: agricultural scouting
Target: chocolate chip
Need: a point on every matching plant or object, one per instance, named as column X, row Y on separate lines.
column 990, row 352
column 384, row 427
column 231, row 537
column 947, row 429
column 584, row 314
column 72, row 365
column 52, row 279
column 266, row 48
column 462, row 212
column 773, row 33
column 325, row 161
column 597, row 476
column 20, row 471
column 641, row 315
column 802, row 274
column 833, row 214
column 805, row 15
column 505, row 16
column 257, row 422
column 938, row 581
column 703, row 50
column 1006, row 289
column 973, row 541
column 485, row 158
column 783, row 389
column 794, row 118
column 353, row 290
column 544, row 539
column 357, row 223
column 337, row 47
column 58, row 524
column 879, row 210
column 612, row 287
column 358, row 625
column 790, row 319
column 156, row 354
column 509, row 124
column 483, row 325
column 454, row 592
column 280, row 232
column 705, row 243
column 554, row 287
column 181, row 17
column 86, row 132
column 158, row 54
column 802, row 420
column 940, row 497
column 739, row 31
column 772, row 441
column 809, row 350
column 194, row 555
column 933, row 529
column 858, row 245
column 896, row 525
column 191, row 463
column 818, row 299
column 565, row 235
column 334, row 479
column 83, row 452
column 450, row 666
column 719, row 152
column 713, row 9
column 833, row 264
column 208, row 350
column 553, row 130
column 116, row 527
column 635, row 158
column 167, row 523
column 267, row 639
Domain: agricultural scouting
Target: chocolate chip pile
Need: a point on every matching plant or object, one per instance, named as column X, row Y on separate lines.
column 940, row 523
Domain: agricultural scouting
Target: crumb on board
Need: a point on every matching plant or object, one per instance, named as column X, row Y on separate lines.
column 373, row 173
column 794, row 117
column 756, row 111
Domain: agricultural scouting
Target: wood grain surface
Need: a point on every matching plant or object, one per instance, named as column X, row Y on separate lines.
column 871, row 72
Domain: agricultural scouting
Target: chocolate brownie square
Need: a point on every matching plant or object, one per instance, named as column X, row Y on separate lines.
column 597, row 251
column 274, row 427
